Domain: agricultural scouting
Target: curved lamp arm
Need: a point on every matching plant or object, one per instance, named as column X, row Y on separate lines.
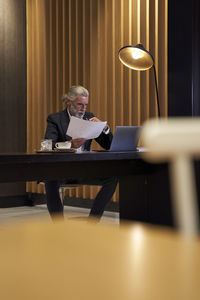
column 138, row 58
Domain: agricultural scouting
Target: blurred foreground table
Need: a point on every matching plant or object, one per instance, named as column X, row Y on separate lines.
column 69, row 260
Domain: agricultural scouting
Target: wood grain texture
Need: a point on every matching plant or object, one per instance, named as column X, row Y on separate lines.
column 76, row 42
column 12, row 84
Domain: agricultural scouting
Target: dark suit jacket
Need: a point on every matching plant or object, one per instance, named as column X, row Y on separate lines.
column 58, row 123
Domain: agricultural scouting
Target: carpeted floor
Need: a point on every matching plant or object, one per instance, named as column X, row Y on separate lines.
column 17, row 214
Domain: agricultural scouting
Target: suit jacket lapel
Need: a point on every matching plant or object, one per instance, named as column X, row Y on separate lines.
column 64, row 120
column 87, row 116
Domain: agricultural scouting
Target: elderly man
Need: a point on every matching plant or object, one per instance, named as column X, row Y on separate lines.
column 76, row 101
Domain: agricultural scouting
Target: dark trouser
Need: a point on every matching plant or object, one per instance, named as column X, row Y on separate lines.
column 55, row 206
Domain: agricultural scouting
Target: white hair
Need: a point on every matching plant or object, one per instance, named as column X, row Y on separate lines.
column 74, row 92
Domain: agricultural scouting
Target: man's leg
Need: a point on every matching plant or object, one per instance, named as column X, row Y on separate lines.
column 54, row 204
column 104, row 195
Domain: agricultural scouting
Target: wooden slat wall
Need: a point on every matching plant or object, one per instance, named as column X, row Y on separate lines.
column 76, row 42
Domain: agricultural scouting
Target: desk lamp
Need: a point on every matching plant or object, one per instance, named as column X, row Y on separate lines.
column 138, row 58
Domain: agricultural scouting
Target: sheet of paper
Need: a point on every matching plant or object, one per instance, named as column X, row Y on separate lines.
column 79, row 128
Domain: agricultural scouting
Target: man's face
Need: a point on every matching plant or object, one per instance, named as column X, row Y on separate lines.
column 78, row 107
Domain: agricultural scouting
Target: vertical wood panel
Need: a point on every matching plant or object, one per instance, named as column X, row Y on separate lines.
column 147, row 104
column 130, row 103
column 77, row 42
column 144, row 74
column 152, row 39
column 12, row 85
column 138, row 87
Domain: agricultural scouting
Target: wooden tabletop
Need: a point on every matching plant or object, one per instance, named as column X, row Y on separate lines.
column 77, row 260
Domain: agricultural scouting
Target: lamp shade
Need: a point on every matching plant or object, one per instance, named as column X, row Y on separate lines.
column 136, row 57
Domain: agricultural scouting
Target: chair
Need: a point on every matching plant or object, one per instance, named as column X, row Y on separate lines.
column 176, row 140
column 63, row 188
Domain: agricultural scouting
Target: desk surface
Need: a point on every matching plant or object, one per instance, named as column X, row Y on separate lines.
column 42, row 260
column 56, row 157
column 41, row 166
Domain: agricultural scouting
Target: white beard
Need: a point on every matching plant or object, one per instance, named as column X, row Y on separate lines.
column 75, row 113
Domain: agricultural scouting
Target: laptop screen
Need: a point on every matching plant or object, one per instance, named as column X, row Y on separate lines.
column 125, row 138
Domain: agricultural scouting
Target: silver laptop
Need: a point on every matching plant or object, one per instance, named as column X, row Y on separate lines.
column 125, row 138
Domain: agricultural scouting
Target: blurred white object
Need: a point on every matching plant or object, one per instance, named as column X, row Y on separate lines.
column 176, row 140
column 46, row 145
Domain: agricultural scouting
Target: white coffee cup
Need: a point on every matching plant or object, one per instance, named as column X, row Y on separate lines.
column 63, row 145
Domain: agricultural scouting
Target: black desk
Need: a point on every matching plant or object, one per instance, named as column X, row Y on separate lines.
column 143, row 188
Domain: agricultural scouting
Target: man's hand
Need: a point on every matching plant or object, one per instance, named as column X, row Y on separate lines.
column 76, row 143
column 95, row 119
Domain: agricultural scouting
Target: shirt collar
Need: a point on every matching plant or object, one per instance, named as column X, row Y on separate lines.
column 68, row 113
